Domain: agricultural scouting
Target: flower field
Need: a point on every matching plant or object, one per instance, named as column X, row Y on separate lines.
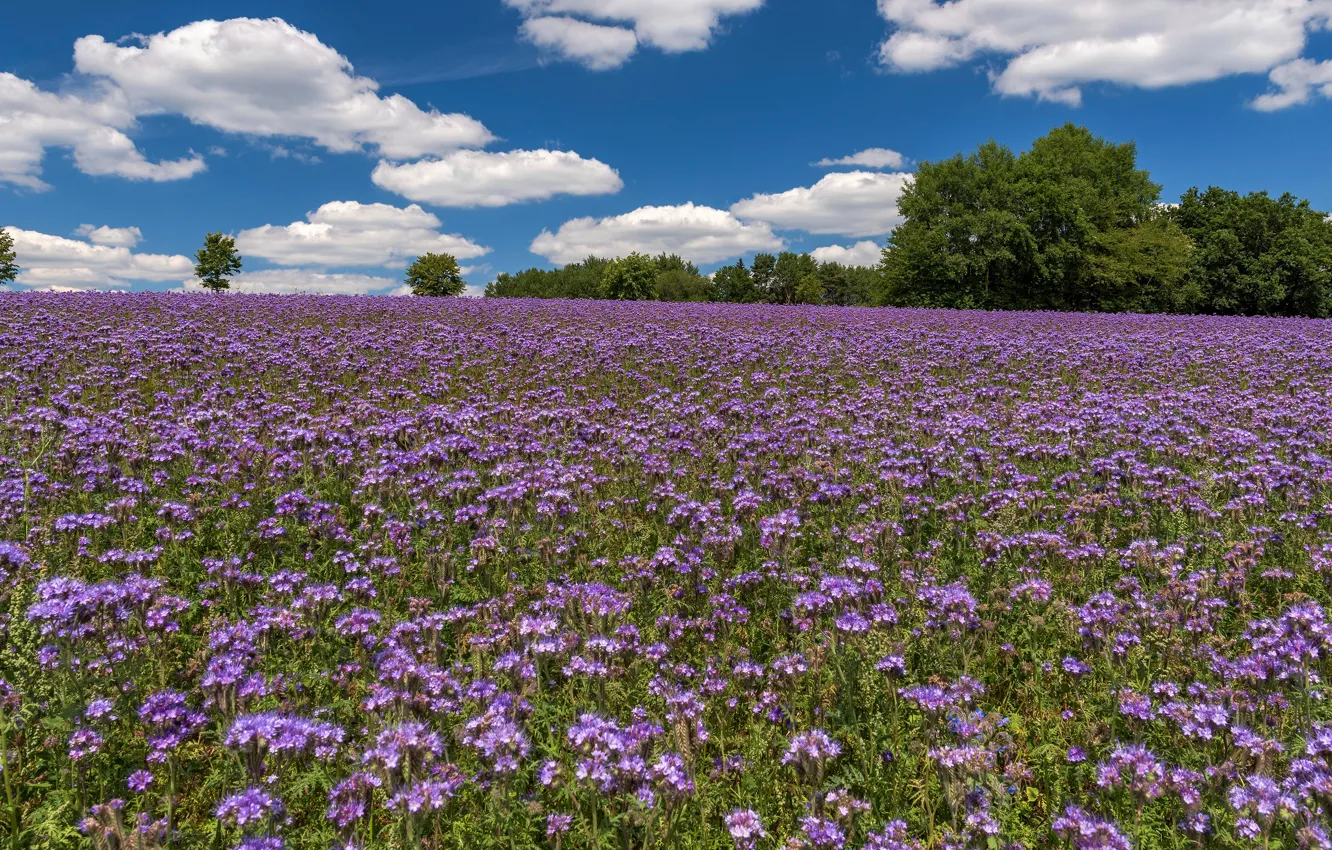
column 326, row 573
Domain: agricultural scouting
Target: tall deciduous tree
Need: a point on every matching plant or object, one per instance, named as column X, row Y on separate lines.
column 734, row 284
column 8, row 266
column 631, row 278
column 435, row 276
column 1071, row 224
column 217, row 261
column 761, row 273
column 790, row 270
column 680, row 285
column 1257, row 254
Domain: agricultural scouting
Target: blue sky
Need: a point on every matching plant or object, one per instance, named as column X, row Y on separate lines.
column 532, row 132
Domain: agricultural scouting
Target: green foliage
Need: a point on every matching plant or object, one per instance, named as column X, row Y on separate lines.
column 217, row 261
column 8, row 267
column 1074, row 224
column 761, row 272
column 631, row 278
column 809, row 290
column 674, row 263
column 847, row 286
column 734, row 284
column 788, row 273
column 1145, row 268
column 435, row 276
column 680, row 285
column 1068, row 225
column 1257, row 254
column 576, row 280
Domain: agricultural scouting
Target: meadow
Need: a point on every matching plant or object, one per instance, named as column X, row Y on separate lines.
column 384, row 573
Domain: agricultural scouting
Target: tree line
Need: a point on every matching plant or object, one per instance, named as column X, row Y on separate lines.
column 786, row 278
column 1070, row 224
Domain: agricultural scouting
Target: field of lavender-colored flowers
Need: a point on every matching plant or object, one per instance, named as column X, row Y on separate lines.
column 378, row 573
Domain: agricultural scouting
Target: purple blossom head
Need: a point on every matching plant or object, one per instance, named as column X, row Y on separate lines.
column 745, row 828
column 251, row 806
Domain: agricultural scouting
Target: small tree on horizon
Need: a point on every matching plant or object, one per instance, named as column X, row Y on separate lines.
column 8, row 268
column 216, row 261
column 435, row 276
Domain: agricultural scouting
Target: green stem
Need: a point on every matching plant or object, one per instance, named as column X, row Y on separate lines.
column 15, row 815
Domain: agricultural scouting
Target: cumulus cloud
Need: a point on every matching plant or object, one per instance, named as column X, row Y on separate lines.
column 305, row 282
column 869, row 158
column 116, row 237
column 268, row 78
column 853, row 203
column 91, row 124
column 1053, row 47
column 1295, row 83
column 697, row 233
column 674, row 26
column 867, row 254
column 485, row 179
column 348, row 233
column 47, row 261
column 597, row 46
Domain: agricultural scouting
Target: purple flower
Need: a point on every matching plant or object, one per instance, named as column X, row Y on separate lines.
column 140, row 781
column 249, row 806
column 745, row 828
column 1087, row 832
column 558, row 824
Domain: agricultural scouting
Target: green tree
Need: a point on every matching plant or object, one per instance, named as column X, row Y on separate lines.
column 963, row 242
column 761, row 274
column 435, row 276
column 576, row 280
column 790, row 270
column 8, row 267
column 680, row 285
column 809, row 290
column 631, row 278
column 217, row 261
column 1147, row 268
column 1071, row 224
column 1078, row 190
column 849, row 286
column 674, row 262
column 734, row 284
column 1258, row 255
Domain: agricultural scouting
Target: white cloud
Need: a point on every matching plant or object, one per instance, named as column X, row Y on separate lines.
column 116, row 237
column 700, row 234
column 1053, row 47
column 674, row 26
column 304, row 281
column 485, row 179
column 348, row 233
column 870, row 158
column 867, row 254
column 268, row 78
column 594, row 45
column 1296, row 82
column 47, row 261
column 91, row 124
column 853, row 203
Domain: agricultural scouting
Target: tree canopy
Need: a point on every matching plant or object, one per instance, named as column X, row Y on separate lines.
column 217, row 261
column 435, row 276
column 1258, row 255
column 8, row 266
